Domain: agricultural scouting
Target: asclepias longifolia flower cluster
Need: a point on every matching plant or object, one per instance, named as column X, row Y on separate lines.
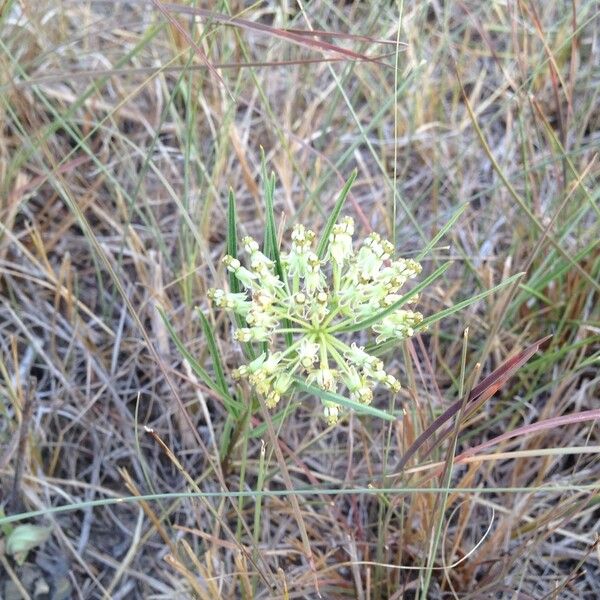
column 312, row 305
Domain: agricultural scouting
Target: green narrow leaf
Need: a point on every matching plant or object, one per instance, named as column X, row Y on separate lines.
column 269, row 242
column 395, row 306
column 338, row 399
column 199, row 371
column 442, row 232
column 335, row 213
column 234, row 284
column 232, row 245
column 271, row 247
column 450, row 311
column 550, row 357
column 225, row 436
column 214, row 352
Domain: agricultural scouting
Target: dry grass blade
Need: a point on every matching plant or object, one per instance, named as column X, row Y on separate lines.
column 289, row 35
column 479, row 394
column 166, row 11
column 581, row 417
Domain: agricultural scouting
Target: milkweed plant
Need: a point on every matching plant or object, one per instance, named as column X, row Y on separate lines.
column 301, row 309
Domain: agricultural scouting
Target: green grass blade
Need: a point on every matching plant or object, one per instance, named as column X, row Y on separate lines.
column 271, row 247
column 260, row 484
column 442, row 500
column 331, row 221
column 199, row 371
column 442, row 232
column 270, row 239
column 232, row 244
column 214, row 353
column 457, row 307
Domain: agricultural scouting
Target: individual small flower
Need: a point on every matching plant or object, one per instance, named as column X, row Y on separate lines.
column 260, row 316
column 340, row 241
column 238, row 303
column 262, row 298
column 371, row 256
column 251, row 334
column 272, row 399
column 302, row 237
column 239, row 373
column 308, row 353
column 272, row 361
column 391, row 383
column 312, row 306
column 296, row 260
column 320, row 307
column 358, row 356
column 282, row 383
column 358, row 386
column 331, row 411
column 250, row 245
column 241, row 273
column 299, row 303
column 400, row 324
column 325, row 378
column 313, row 277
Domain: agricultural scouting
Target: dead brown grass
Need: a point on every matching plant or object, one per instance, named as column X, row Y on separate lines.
column 119, row 141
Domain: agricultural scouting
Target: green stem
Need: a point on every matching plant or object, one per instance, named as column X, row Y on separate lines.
column 283, row 312
column 336, row 343
column 323, row 351
column 339, row 359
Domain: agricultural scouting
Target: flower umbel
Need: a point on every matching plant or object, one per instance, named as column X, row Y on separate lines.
column 314, row 304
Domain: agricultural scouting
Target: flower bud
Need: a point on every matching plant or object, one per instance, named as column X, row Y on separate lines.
column 331, row 412
column 243, row 275
column 300, row 299
column 314, row 276
column 391, row 383
column 325, row 378
column 262, row 387
column 399, row 325
column 263, row 298
column 272, row 399
column 231, row 263
column 363, row 394
column 340, row 241
column 282, row 383
column 239, row 373
column 251, row 334
column 250, row 244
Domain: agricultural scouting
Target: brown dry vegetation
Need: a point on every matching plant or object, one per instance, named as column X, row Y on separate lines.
column 122, row 128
